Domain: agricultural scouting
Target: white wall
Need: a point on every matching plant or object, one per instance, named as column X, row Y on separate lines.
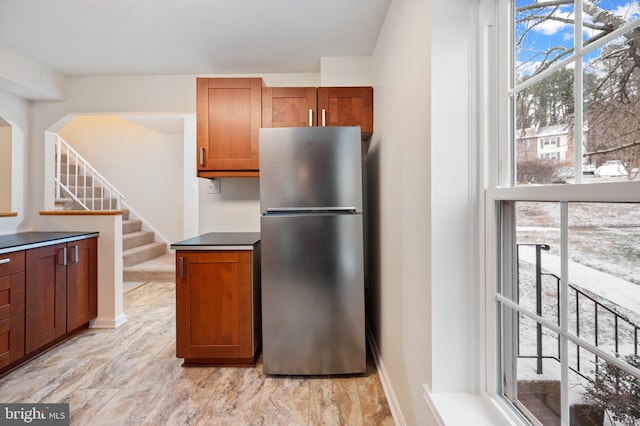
column 399, row 204
column 27, row 79
column 145, row 165
column 346, row 71
column 420, row 174
column 5, row 166
column 15, row 111
column 454, row 282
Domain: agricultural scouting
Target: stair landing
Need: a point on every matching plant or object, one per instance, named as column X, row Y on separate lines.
column 158, row 269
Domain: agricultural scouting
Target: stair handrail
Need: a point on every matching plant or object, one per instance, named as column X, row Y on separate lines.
column 115, row 197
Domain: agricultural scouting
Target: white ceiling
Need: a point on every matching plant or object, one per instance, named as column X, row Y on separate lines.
column 109, row 37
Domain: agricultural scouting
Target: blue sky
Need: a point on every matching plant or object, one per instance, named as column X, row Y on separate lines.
column 553, row 33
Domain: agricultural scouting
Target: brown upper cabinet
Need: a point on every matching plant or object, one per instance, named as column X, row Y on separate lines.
column 289, row 106
column 324, row 106
column 228, row 116
column 229, row 112
column 346, row 106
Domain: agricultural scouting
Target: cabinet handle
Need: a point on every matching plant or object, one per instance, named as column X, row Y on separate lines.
column 202, row 155
column 7, row 260
column 64, row 256
column 310, row 117
column 75, row 249
column 181, row 266
column 324, row 121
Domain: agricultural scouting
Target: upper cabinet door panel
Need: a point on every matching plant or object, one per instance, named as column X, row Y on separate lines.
column 346, row 106
column 289, row 107
column 228, row 116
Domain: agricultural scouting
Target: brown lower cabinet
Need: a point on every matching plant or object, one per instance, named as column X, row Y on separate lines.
column 216, row 317
column 82, row 283
column 46, row 294
column 11, row 307
column 46, row 289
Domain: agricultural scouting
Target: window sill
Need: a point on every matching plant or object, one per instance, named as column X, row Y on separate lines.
column 464, row 409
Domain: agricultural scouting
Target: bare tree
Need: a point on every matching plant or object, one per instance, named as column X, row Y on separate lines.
column 611, row 78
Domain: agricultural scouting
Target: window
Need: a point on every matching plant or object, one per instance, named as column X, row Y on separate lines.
column 575, row 67
column 569, row 309
column 562, row 260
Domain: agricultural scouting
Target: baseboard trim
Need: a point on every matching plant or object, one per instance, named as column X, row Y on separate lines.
column 108, row 322
column 432, row 406
column 386, row 383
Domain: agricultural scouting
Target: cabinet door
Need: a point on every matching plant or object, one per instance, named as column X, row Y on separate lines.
column 228, row 116
column 12, row 281
column 11, row 339
column 289, row 107
column 11, row 284
column 346, row 106
column 213, row 306
column 82, row 283
column 45, row 295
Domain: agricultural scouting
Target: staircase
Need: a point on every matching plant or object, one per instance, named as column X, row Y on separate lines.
column 143, row 258
column 80, row 187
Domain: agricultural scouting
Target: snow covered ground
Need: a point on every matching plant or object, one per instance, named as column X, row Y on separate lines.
column 617, row 290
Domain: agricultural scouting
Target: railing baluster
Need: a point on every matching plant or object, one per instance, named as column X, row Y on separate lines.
column 578, row 329
column 81, row 197
column 558, row 311
column 58, row 159
column 596, row 331
column 615, row 319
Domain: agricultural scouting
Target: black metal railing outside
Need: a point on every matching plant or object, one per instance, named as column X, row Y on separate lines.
column 580, row 296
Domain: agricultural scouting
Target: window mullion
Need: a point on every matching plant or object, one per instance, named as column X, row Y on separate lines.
column 508, row 287
column 578, row 122
column 564, row 311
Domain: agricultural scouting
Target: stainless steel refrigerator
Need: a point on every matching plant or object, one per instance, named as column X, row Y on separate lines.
column 313, row 315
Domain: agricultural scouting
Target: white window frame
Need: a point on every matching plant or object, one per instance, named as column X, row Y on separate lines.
column 496, row 178
column 496, row 271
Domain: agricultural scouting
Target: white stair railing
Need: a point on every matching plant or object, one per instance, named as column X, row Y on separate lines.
column 77, row 179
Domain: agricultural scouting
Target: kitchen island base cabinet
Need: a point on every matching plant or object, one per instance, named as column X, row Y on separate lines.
column 82, row 283
column 216, row 307
column 48, row 291
column 61, row 291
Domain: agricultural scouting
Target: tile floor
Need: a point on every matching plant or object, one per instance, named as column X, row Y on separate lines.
column 130, row 376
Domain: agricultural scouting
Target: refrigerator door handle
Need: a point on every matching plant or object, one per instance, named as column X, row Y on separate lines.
column 350, row 209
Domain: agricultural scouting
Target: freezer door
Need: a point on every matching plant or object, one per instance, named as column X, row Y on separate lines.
column 313, row 319
column 310, row 168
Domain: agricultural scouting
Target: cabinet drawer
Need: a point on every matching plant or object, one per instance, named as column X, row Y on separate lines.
column 11, row 339
column 10, row 263
column 11, row 295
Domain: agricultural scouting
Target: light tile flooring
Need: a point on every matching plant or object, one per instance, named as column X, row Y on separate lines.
column 130, row 376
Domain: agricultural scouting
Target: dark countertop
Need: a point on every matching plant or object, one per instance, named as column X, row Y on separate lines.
column 29, row 240
column 220, row 241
